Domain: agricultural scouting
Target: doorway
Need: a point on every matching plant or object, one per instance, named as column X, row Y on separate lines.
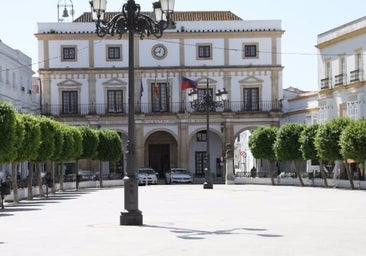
column 159, row 158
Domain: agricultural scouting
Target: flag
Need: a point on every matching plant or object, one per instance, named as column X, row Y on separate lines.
column 156, row 90
column 188, row 83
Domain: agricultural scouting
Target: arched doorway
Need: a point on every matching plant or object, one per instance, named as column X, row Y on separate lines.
column 198, row 154
column 161, row 152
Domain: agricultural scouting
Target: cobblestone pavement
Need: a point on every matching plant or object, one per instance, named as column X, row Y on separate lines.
column 188, row 220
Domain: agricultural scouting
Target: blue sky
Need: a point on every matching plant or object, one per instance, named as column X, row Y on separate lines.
column 302, row 21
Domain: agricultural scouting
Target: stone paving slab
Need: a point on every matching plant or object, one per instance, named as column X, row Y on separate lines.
column 188, row 220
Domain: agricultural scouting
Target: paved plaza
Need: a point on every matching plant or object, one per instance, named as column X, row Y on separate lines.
column 188, row 220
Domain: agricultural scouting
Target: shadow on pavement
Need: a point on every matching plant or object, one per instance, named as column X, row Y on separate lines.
column 192, row 234
column 29, row 205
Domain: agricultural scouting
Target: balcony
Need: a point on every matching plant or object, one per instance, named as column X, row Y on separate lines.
column 340, row 80
column 355, row 75
column 150, row 109
column 325, row 83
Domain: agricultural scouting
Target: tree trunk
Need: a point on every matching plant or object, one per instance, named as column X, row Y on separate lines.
column 298, row 173
column 61, row 177
column 270, row 166
column 349, row 174
column 78, row 178
column 30, row 181
column 14, row 174
column 100, row 174
column 53, row 190
column 324, row 175
column 39, row 180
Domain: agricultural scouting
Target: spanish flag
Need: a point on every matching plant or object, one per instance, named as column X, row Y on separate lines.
column 188, row 84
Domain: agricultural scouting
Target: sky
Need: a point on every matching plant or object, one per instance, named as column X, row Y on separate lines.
column 302, row 21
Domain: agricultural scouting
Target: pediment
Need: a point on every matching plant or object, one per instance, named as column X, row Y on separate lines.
column 251, row 80
column 203, row 80
column 69, row 83
column 114, row 82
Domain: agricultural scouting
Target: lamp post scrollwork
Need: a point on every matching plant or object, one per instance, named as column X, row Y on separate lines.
column 207, row 104
column 131, row 21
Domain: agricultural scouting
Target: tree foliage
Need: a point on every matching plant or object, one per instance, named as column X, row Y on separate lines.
column 7, row 133
column 353, row 141
column 306, row 140
column 77, row 143
column 287, row 145
column 327, row 139
column 47, row 145
column 32, row 138
column 90, row 142
column 109, row 146
column 261, row 142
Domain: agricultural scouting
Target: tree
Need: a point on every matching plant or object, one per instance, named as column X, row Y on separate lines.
column 109, row 148
column 287, row 145
column 327, row 142
column 7, row 133
column 67, row 149
column 90, row 142
column 308, row 149
column 57, row 153
column 46, row 148
column 353, row 142
column 31, row 143
column 261, row 143
column 19, row 135
column 77, row 149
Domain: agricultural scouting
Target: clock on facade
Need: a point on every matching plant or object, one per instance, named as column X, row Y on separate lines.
column 159, row 51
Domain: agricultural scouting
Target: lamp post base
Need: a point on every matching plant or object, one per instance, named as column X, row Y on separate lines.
column 207, row 185
column 133, row 218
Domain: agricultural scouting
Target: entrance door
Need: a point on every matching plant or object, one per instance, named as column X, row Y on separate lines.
column 159, row 158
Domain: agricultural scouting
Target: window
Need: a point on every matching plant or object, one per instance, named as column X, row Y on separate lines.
column 251, row 99
column 200, row 163
column 159, row 97
column 358, row 61
column 201, row 136
column 68, row 53
column 115, row 101
column 250, row 51
column 114, row 53
column 204, row 51
column 69, row 102
column 7, row 76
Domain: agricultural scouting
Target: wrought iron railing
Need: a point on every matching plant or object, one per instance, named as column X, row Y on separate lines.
column 355, row 75
column 325, row 83
column 148, row 108
column 340, row 79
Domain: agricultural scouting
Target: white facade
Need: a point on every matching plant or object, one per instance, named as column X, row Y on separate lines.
column 16, row 84
column 342, row 80
column 242, row 57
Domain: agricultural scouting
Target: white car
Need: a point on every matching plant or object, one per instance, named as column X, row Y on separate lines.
column 147, row 176
column 178, row 175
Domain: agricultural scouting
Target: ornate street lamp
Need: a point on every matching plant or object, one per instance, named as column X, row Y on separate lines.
column 132, row 21
column 208, row 104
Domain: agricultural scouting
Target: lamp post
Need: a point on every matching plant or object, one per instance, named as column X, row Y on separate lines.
column 208, row 104
column 132, row 21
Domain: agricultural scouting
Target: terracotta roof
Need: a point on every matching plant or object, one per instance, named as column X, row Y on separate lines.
column 177, row 16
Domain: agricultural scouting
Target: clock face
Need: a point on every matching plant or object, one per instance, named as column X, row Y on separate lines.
column 159, row 51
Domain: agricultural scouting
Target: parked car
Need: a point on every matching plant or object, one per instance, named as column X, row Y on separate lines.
column 147, row 176
column 178, row 175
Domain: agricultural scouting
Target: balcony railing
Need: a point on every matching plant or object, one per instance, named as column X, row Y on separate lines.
column 145, row 108
column 325, row 83
column 340, row 79
column 355, row 75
